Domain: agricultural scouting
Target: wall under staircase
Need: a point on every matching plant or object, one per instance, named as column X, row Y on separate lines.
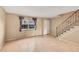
column 71, row 35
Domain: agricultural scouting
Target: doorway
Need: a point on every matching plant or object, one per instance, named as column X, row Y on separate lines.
column 46, row 26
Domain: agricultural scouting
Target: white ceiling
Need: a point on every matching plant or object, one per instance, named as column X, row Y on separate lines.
column 39, row 11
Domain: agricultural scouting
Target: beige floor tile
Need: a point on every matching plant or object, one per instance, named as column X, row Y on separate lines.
column 40, row 44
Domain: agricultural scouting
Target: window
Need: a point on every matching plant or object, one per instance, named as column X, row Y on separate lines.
column 27, row 24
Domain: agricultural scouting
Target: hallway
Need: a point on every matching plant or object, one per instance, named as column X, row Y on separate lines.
column 45, row 43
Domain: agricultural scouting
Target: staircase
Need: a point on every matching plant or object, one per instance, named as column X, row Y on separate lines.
column 68, row 24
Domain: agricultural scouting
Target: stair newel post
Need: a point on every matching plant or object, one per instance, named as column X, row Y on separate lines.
column 57, row 31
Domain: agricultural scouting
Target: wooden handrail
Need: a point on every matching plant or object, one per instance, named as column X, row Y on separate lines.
column 68, row 17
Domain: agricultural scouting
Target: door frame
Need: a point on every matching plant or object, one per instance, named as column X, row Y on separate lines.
column 43, row 26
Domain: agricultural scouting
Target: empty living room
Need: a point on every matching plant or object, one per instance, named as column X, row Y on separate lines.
column 39, row 28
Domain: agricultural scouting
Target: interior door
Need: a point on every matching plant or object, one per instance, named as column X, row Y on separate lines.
column 46, row 26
